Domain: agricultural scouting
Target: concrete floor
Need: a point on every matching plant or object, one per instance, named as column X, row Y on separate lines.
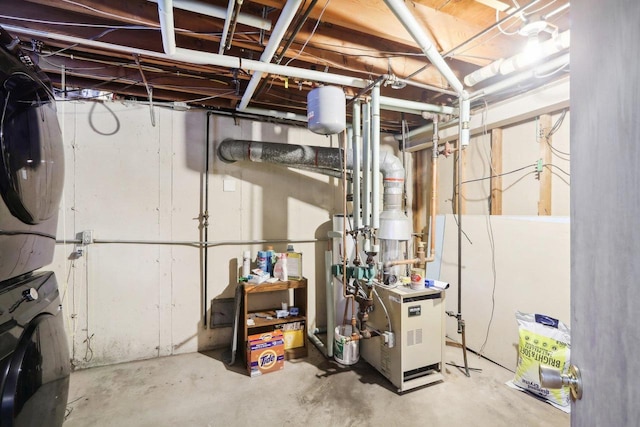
column 200, row 390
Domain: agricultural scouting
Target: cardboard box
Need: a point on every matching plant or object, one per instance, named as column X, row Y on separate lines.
column 293, row 339
column 265, row 353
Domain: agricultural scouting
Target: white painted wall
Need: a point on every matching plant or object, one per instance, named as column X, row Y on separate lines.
column 532, row 275
column 126, row 179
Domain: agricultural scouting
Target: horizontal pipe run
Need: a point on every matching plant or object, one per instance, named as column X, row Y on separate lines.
column 214, row 11
column 403, row 262
column 427, row 87
column 276, row 114
column 520, row 61
column 192, row 243
column 394, row 104
column 519, row 78
column 197, row 57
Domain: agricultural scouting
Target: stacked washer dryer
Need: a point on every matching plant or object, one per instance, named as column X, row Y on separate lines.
column 34, row 355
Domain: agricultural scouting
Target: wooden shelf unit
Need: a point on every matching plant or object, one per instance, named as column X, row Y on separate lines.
column 251, row 290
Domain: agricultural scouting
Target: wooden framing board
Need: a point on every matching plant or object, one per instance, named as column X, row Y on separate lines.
column 544, row 202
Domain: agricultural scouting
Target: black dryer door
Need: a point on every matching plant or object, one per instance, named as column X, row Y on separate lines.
column 37, row 381
column 31, row 153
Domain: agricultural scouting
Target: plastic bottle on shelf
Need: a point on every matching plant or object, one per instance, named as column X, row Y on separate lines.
column 261, row 261
column 270, row 260
column 246, row 263
column 280, row 269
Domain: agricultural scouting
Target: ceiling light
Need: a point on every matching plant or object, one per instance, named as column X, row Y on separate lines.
column 531, row 28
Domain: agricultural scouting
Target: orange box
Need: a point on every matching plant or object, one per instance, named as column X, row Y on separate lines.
column 265, row 353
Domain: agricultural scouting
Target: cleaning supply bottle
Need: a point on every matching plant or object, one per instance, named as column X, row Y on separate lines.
column 280, row 269
column 261, row 261
column 246, row 263
column 271, row 259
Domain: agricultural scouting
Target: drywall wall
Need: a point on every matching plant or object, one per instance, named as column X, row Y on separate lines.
column 129, row 180
column 509, row 264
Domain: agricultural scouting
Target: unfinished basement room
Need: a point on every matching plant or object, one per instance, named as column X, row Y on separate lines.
column 319, row 213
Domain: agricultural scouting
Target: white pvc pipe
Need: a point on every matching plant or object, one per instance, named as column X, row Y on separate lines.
column 165, row 14
column 287, row 15
column 546, row 49
column 548, row 67
column 414, row 107
column 219, row 12
column 329, row 290
column 227, row 24
column 375, row 156
column 276, row 114
column 366, row 164
column 400, row 9
column 465, row 116
column 428, row 87
column 356, row 164
column 520, row 61
column 197, row 57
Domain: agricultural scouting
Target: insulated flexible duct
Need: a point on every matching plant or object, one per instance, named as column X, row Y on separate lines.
column 234, row 150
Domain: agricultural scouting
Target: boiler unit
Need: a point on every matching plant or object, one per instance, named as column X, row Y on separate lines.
column 411, row 356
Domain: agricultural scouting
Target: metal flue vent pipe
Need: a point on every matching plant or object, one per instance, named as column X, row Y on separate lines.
column 235, row 150
column 393, row 223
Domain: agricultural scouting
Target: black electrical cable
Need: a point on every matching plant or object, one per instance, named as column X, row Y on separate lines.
column 496, row 176
column 492, row 244
column 557, row 167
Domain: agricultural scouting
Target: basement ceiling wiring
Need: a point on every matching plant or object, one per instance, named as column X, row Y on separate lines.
column 310, row 35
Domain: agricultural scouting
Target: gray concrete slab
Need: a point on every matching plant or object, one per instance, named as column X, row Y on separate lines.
column 200, row 390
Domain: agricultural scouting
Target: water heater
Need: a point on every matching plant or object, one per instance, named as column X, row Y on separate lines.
column 326, row 110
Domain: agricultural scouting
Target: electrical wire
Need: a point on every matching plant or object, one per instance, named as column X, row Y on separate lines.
column 557, row 167
column 102, row 34
column 310, row 35
column 498, row 175
column 562, row 178
column 80, row 24
column 500, row 28
column 492, row 244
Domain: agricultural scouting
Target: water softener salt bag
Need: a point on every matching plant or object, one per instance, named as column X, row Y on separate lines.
column 547, row 341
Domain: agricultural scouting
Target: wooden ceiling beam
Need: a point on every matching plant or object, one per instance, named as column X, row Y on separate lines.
column 446, row 31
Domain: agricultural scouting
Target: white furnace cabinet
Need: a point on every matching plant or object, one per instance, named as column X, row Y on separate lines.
column 418, row 323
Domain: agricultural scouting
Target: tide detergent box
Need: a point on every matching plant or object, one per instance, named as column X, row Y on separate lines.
column 265, row 353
